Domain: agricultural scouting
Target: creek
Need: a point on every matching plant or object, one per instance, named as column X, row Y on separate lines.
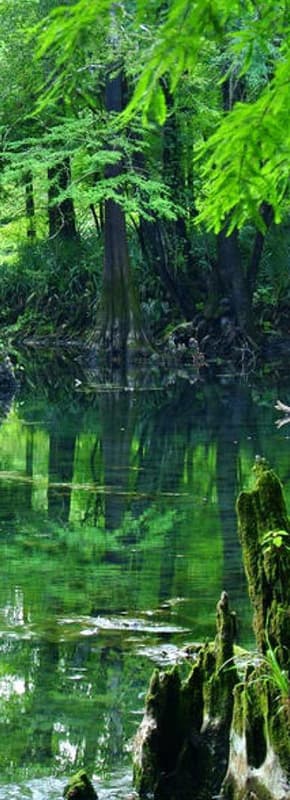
column 117, row 536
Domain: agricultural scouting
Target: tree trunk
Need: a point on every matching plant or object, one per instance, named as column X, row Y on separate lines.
column 61, row 213
column 29, row 206
column 60, row 475
column 234, row 281
column 154, row 243
column 118, row 299
column 176, row 177
column 166, row 243
column 116, row 278
column 258, row 247
column 230, row 266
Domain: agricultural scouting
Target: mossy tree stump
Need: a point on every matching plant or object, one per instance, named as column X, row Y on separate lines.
column 182, row 745
column 80, row 787
column 259, row 762
column 221, row 732
column 264, row 533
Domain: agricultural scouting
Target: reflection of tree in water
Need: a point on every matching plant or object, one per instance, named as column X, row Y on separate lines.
column 169, row 439
column 144, row 443
column 8, row 386
column 63, row 723
column 41, row 711
column 95, row 507
column 60, row 473
column 118, row 415
column 140, row 449
column 235, row 414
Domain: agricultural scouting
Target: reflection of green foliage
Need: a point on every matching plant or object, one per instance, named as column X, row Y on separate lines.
column 161, row 562
column 146, row 529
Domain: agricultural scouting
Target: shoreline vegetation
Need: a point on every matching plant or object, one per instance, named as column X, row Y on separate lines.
column 51, row 297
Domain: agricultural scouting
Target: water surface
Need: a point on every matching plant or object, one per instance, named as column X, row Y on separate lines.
column 117, row 536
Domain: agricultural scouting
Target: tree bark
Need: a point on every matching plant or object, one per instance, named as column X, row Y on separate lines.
column 234, row 280
column 118, row 301
column 154, row 242
column 258, row 247
column 167, row 243
column 29, row 206
column 230, row 266
column 61, row 213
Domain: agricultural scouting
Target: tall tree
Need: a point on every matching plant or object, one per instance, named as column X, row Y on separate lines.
column 117, row 284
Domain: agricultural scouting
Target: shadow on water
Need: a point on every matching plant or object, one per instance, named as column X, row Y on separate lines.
column 117, row 536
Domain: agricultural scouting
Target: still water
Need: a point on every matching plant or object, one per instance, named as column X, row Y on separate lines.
column 117, row 536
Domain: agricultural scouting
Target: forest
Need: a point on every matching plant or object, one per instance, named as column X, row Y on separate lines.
column 144, row 175
column 144, row 349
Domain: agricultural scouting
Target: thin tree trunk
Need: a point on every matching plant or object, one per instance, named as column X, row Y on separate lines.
column 174, row 174
column 116, row 278
column 60, row 475
column 95, row 218
column 29, row 206
column 267, row 215
column 61, row 213
column 118, row 420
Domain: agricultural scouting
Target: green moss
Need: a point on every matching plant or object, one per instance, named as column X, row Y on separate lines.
column 238, row 720
column 209, row 670
column 169, row 718
column 79, row 787
column 256, row 715
column 254, row 790
column 279, row 727
column 191, row 701
column 272, row 507
column 152, row 697
column 225, row 622
column 260, row 512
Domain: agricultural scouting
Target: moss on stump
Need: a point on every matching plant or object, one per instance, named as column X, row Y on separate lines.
column 265, row 538
column 80, row 787
column 181, row 747
column 220, row 732
column 259, row 762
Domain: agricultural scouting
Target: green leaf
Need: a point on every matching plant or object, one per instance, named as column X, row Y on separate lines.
column 158, row 108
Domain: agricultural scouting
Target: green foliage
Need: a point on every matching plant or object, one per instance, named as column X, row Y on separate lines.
column 247, row 159
column 72, row 29
column 273, row 285
column 262, row 671
column 51, row 287
column 174, row 153
column 276, row 538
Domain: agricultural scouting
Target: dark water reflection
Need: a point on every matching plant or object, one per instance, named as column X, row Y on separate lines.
column 117, row 535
